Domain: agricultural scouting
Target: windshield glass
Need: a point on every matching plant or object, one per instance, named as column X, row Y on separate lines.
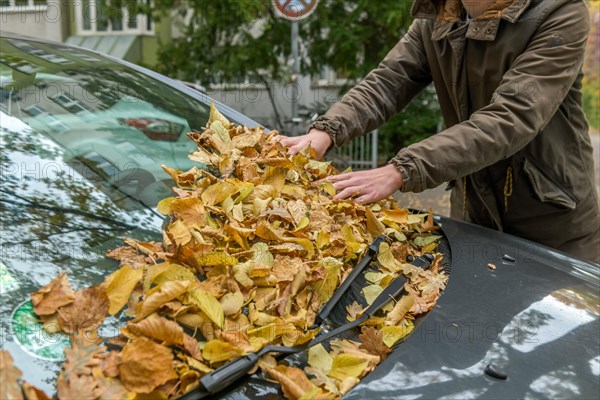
column 114, row 120
column 82, row 139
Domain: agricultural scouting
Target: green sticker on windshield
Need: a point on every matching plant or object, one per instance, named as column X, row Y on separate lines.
column 32, row 336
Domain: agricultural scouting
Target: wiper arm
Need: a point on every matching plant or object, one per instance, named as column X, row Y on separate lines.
column 227, row 375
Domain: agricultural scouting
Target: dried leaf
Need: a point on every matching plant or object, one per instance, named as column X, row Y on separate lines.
column 120, row 285
column 86, row 313
column 209, row 305
column 320, row 358
column 9, row 376
column 160, row 295
column 293, row 381
column 54, row 295
column 392, row 334
column 345, row 365
column 216, row 351
column 158, row 328
column 372, row 340
column 145, row 366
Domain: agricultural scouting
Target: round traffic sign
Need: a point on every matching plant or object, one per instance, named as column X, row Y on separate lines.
column 295, row 9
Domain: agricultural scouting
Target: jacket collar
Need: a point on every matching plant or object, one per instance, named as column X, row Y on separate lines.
column 485, row 27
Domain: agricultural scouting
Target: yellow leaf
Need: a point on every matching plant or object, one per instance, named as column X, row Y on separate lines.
column 326, row 287
column 216, row 351
column 405, row 303
column 179, row 233
column 262, row 255
column 371, row 292
column 218, row 192
column 263, row 334
column 160, row 295
column 328, row 188
column 398, row 216
column 385, row 257
column 209, row 305
column 221, row 134
column 374, row 226
column 174, row 272
column 215, row 115
column 320, row 358
column 164, row 206
column 122, row 283
column 215, row 259
column 392, row 334
column 231, row 303
column 323, row 239
column 345, row 365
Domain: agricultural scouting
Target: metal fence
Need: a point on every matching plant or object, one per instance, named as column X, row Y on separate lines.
column 360, row 153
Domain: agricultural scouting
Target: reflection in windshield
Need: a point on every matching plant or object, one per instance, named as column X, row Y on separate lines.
column 110, row 118
column 82, row 139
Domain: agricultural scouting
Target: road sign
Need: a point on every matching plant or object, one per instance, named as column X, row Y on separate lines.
column 295, row 10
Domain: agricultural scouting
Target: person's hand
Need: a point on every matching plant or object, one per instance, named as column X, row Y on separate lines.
column 317, row 139
column 367, row 186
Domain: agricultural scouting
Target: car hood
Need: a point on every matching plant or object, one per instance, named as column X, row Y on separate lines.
column 528, row 329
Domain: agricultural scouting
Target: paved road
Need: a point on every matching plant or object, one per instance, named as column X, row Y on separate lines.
column 439, row 200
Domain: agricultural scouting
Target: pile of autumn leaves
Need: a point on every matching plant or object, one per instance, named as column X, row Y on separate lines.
column 252, row 251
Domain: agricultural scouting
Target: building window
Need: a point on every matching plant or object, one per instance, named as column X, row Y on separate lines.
column 91, row 19
column 22, row 5
column 69, row 103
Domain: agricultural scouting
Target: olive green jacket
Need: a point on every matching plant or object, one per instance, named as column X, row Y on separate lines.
column 516, row 148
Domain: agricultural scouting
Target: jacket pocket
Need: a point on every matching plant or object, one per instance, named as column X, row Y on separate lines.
column 545, row 189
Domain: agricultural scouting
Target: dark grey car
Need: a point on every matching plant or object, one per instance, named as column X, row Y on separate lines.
column 82, row 139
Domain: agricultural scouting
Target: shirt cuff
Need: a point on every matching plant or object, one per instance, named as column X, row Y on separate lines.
column 410, row 173
column 331, row 127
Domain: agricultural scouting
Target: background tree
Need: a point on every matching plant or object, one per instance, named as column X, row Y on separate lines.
column 228, row 40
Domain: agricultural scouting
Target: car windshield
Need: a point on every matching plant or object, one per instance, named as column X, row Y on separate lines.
column 82, row 142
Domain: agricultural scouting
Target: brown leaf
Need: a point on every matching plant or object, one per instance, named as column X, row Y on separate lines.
column 110, row 364
column 145, row 366
column 192, row 346
column 158, row 328
column 75, row 380
column 293, row 381
column 400, row 309
column 82, row 387
column 160, row 295
column 372, row 340
column 9, row 377
column 86, row 313
column 50, row 297
column 429, row 224
column 127, row 255
column 32, row 393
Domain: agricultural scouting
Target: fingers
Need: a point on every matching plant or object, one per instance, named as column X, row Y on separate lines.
column 351, row 191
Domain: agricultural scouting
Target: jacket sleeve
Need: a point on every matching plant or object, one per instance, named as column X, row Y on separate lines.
column 527, row 97
column 385, row 91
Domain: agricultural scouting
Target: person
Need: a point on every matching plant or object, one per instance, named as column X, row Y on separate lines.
column 516, row 150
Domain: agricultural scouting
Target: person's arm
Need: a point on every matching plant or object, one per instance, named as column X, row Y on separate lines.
column 385, row 91
column 526, row 99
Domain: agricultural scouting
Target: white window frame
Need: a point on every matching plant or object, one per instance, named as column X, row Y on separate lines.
column 13, row 7
column 141, row 29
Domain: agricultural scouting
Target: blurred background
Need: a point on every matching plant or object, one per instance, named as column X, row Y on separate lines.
column 239, row 52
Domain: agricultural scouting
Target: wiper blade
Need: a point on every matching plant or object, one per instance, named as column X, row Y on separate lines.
column 227, row 375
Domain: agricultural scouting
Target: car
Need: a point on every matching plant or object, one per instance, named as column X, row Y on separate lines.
column 83, row 136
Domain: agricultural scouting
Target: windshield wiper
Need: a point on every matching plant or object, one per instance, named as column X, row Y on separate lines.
column 224, row 377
